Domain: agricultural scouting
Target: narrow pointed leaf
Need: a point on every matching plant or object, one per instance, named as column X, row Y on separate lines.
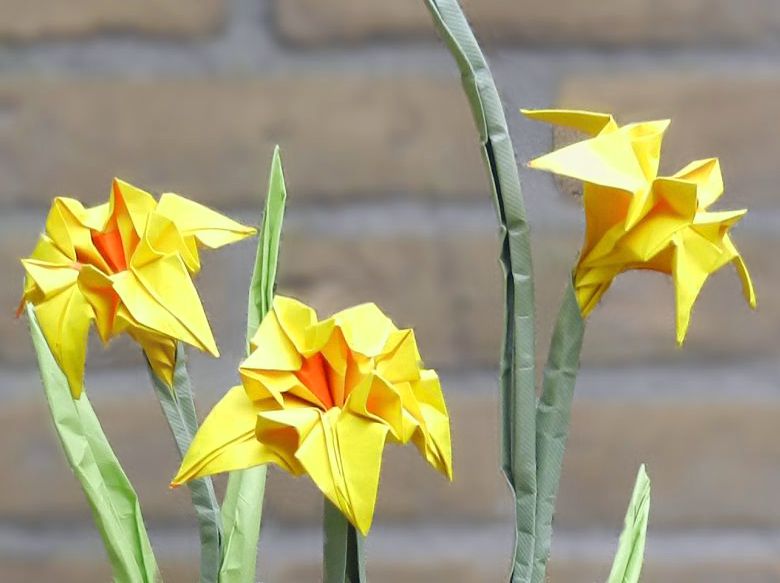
column 517, row 378
column 627, row 566
column 114, row 504
column 243, row 504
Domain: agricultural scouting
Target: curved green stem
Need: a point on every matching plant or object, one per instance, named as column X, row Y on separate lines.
column 517, row 379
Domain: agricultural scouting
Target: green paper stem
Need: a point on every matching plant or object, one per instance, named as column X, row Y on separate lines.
column 343, row 548
column 242, row 507
column 179, row 409
column 627, row 566
column 553, row 414
column 114, row 504
column 517, row 378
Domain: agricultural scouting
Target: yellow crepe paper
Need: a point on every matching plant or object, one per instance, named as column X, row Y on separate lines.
column 636, row 219
column 322, row 398
column 127, row 265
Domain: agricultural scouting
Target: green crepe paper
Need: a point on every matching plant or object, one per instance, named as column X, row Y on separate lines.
column 343, row 548
column 627, row 566
column 114, row 504
column 553, row 413
column 179, row 409
column 517, row 378
column 243, row 505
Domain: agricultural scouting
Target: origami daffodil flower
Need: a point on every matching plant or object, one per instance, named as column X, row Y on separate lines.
column 127, row 265
column 322, row 398
column 636, row 219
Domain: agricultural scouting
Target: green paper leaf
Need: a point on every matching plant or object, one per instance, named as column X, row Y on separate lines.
column 343, row 548
column 243, row 504
column 263, row 283
column 179, row 408
column 553, row 413
column 517, row 376
column 114, row 504
column 627, row 566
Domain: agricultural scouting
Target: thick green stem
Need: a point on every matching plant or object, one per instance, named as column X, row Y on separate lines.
column 517, row 378
column 179, row 409
column 553, row 414
column 114, row 504
column 343, row 556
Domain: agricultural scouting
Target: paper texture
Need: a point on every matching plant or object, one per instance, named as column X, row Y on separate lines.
column 179, row 410
column 553, row 414
column 517, row 379
column 636, row 219
column 627, row 566
column 243, row 504
column 322, row 397
column 127, row 266
column 113, row 501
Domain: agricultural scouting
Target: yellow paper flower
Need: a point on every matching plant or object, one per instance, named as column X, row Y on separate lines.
column 127, row 265
column 636, row 219
column 322, row 398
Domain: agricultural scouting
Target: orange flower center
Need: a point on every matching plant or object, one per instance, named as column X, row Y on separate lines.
column 109, row 245
column 314, row 376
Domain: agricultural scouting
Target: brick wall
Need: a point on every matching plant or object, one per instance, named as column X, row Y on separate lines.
column 388, row 202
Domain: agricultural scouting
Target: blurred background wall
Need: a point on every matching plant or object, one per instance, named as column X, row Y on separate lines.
column 388, row 202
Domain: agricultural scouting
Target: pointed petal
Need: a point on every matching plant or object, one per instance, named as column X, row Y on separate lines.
column 225, row 441
column 64, row 319
column 343, row 455
column 210, row 228
column 607, row 160
column 161, row 296
column 706, row 174
column 585, row 121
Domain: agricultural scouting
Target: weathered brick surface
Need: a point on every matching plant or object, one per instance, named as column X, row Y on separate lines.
column 80, row 569
column 360, row 137
column 448, row 288
column 665, row 418
column 30, row 20
column 729, row 116
column 610, row 22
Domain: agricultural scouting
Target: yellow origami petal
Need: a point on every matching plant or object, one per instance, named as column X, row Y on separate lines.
column 64, row 319
column 401, row 358
column 161, row 296
column 693, row 262
column 159, row 350
column 706, row 174
column 608, row 160
column 295, row 319
column 225, row 440
column 274, row 349
column 343, row 455
column 366, row 329
column 588, row 122
column 379, row 401
column 210, row 228
column 436, row 445
column 133, row 202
